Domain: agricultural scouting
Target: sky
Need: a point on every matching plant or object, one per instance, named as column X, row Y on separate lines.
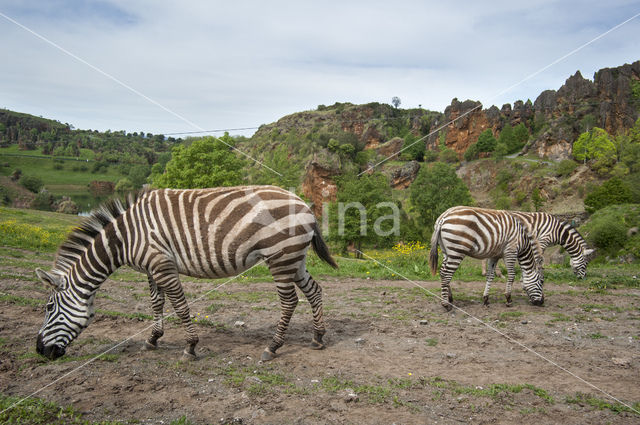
column 169, row 67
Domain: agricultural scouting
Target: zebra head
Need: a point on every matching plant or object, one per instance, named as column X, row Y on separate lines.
column 579, row 262
column 533, row 281
column 66, row 315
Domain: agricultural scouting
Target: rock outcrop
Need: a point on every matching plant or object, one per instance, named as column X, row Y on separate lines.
column 319, row 187
column 401, row 178
column 391, row 148
column 580, row 104
column 558, row 117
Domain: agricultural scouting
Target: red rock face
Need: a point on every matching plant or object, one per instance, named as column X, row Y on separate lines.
column 391, row 148
column 319, row 187
column 463, row 131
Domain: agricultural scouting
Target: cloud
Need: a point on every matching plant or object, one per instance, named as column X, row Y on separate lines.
column 243, row 64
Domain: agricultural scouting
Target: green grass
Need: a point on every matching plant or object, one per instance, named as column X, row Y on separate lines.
column 74, row 173
column 431, row 342
column 35, row 411
column 600, row 404
column 510, row 315
column 34, row 230
column 44, row 231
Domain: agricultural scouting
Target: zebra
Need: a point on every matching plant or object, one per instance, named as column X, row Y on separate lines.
column 205, row 233
column 551, row 231
column 484, row 233
column 548, row 230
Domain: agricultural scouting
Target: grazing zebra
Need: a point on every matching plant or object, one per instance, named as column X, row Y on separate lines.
column 548, row 230
column 551, row 231
column 206, row 233
column 483, row 233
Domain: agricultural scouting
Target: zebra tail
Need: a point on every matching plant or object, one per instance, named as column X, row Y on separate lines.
column 321, row 248
column 433, row 254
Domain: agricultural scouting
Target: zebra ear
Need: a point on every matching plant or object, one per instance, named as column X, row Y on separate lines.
column 52, row 279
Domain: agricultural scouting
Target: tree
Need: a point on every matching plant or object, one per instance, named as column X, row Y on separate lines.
column 536, row 199
column 613, row 191
column 628, row 148
column 278, row 160
column 520, row 136
column 486, row 143
column 33, row 183
column 363, row 211
column 506, row 141
column 124, row 185
column 414, row 150
column 395, row 101
column 138, row 175
column 435, row 189
column 596, row 146
column 207, row 162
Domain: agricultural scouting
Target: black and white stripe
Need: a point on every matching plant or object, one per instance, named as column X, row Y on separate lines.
column 549, row 230
column 205, row 233
column 483, row 233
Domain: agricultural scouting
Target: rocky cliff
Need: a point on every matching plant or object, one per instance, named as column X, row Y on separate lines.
column 556, row 118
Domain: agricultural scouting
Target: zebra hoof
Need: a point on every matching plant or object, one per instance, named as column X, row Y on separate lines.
column 448, row 306
column 267, row 355
column 149, row 346
column 187, row 356
column 485, row 300
column 316, row 345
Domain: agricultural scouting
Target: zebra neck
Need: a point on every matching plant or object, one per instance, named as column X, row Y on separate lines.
column 100, row 259
column 570, row 240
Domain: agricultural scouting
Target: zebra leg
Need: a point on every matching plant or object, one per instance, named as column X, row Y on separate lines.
column 288, row 303
column 447, row 269
column 491, row 268
column 167, row 279
column 313, row 292
column 510, row 263
column 157, row 303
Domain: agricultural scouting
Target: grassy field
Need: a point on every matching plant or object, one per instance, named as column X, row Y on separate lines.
column 45, row 231
column 61, row 176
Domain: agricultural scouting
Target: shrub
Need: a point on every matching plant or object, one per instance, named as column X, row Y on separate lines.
column 608, row 236
column 503, row 202
column 43, row 201
column 5, row 196
column 431, row 156
column 449, row 156
column 565, row 167
column 32, row 183
column 124, row 185
column 613, row 191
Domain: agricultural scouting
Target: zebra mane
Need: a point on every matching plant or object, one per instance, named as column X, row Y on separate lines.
column 569, row 230
column 82, row 236
column 535, row 242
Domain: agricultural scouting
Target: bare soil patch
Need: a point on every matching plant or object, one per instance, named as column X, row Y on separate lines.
column 393, row 356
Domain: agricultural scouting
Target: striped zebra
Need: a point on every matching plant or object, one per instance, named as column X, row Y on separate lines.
column 551, row 231
column 548, row 230
column 483, row 233
column 205, row 233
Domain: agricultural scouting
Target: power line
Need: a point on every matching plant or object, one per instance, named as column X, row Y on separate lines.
column 211, row 131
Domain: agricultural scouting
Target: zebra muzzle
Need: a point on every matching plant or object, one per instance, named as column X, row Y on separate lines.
column 51, row 352
column 538, row 302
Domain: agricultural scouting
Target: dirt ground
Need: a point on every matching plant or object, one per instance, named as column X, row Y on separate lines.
column 393, row 355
